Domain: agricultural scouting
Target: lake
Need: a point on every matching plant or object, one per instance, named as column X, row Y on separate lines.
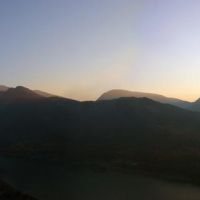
column 60, row 182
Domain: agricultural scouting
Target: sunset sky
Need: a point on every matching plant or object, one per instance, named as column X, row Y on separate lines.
column 82, row 48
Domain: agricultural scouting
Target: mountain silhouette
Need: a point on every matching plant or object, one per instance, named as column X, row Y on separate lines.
column 158, row 136
column 196, row 105
column 3, row 88
column 18, row 94
column 114, row 94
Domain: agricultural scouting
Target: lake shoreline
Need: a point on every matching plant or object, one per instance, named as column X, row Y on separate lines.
column 102, row 167
column 48, row 179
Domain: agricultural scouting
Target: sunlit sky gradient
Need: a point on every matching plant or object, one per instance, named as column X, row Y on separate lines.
column 81, row 48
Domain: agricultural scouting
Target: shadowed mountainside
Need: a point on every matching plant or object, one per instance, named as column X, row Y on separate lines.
column 156, row 136
column 123, row 131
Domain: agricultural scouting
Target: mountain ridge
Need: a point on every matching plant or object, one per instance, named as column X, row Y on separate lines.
column 117, row 93
column 124, row 130
column 18, row 94
column 3, row 88
column 109, row 95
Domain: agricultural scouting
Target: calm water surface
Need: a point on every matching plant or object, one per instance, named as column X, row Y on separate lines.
column 58, row 182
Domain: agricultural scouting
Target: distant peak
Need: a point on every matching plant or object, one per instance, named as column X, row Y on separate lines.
column 18, row 94
column 3, row 88
column 21, row 88
column 197, row 101
column 118, row 93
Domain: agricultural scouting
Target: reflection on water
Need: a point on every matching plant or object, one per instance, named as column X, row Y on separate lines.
column 52, row 182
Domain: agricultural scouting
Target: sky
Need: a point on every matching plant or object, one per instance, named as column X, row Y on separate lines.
column 82, row 48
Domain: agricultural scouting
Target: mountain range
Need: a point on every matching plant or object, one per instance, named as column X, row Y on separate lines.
column 114, row 94
column 109, row 95
column 120, row 131
column 126, row 128
column 20, row 93
column 3, row 88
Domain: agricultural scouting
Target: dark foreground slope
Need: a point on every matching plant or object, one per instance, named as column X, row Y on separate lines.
column 8, row 193
column 124, row 132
